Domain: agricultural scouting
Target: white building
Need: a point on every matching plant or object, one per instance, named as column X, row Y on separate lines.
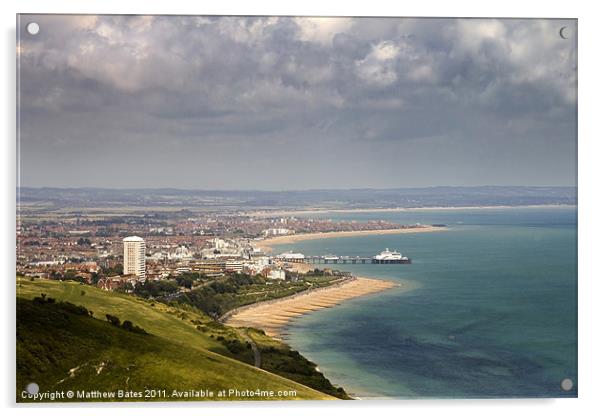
column 262, row 262
column 181, row 253
column 256, row 265
column 277, row 231
column 134, row 252
column 183, row 269
column 277, row 274
column 234, row 266
column 219, row 244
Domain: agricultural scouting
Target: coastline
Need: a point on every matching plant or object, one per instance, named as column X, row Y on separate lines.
column 397, row 209
column 266, row 245
column 272, row 316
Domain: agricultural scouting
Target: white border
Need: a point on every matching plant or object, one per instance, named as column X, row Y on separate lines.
column 590, row 210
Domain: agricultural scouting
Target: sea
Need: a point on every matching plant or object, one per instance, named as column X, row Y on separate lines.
column 487, row 309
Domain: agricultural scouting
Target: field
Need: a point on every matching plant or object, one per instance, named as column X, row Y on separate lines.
column 184, row 348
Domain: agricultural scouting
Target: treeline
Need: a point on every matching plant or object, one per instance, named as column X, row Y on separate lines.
column 81, row 310
column 66, row 306
column 188, row 279
column 156, row 289
column 290, row 364
column 163, row 288
column 217, row 297
column 76, row 276
column 127, row 325
column 202, row 296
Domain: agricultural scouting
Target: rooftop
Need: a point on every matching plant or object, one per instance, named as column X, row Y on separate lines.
column 133, row 238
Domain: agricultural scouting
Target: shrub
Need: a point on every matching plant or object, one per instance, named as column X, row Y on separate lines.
column 129, row 326
column 113, row 320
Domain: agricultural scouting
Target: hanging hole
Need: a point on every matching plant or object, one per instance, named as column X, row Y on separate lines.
column 32, row 388
column 567, row 384
column 33, row 28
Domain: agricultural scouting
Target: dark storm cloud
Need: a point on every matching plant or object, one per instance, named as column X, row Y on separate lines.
column 278, row 103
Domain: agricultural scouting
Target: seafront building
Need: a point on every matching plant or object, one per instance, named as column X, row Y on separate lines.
column 291, row 257
column 134, row 252
column 271, row 232
column 235, row 266
column 277, row 274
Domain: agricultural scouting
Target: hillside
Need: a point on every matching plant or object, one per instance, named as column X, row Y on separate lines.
column 183, row 350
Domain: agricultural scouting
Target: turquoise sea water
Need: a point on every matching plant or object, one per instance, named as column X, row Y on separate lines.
column 491, row 309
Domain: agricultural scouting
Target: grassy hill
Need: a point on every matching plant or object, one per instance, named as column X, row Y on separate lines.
column 184, row 349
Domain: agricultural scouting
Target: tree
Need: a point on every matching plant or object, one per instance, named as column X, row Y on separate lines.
column 113, row 320
column 94, row 278
column 184, row 281
column 128, row 325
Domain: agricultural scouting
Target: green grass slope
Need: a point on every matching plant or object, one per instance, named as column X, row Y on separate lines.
column 62, row 350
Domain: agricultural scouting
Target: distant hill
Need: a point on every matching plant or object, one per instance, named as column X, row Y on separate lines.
column 59, row 347
column 444, row 196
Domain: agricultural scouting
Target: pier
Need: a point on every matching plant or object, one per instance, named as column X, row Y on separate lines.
column 344, row 260
column 385, row 257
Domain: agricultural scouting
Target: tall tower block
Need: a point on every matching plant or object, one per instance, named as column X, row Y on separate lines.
column 134, row 252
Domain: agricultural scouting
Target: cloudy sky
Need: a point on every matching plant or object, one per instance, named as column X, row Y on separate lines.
column 296, row 103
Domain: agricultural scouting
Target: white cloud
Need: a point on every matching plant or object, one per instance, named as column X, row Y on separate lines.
column 471, row 34
column 422, row 73
column 518, row 54
column 375, row 74
column 322, row 29
column 378, row 67
column 247, row 31
column 385, row 50
column 85, row 22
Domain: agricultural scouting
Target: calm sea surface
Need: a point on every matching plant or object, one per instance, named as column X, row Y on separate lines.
column 488, row 310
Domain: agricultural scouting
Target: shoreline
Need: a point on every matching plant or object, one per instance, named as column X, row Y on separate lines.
column 310, row 211
column 274, row 315
column 267, row 244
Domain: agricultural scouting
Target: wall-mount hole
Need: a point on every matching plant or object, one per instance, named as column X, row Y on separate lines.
column 33, row 28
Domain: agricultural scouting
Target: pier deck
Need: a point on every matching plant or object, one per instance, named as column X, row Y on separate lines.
column 345, row 260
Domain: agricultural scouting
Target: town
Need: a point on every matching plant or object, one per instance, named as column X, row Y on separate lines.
column 120, row 251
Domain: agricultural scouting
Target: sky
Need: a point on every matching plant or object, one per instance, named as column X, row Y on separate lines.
column 287, row 103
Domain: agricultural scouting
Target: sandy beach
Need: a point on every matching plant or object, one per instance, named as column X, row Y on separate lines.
column 266, row 245
column 272, row 316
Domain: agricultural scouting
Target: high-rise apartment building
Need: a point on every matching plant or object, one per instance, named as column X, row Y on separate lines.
column 134, row 253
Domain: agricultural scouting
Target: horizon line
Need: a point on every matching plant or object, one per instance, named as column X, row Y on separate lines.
column 75, row 188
